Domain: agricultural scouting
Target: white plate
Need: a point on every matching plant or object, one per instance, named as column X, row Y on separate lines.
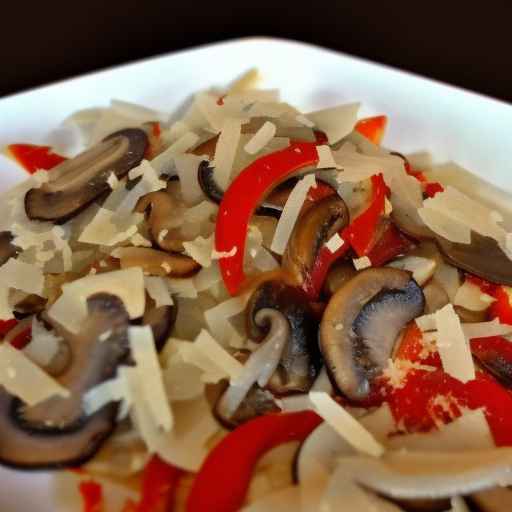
column 453, row 124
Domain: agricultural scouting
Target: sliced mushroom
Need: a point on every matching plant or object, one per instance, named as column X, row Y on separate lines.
column 361, row 323
column 313, row 229
column 301, row 360
column 161, row 212
column 435, row 297
column 161, row 320
column 56, row 433
column 7, row 249
column 482, row 257
column 257, row 402
column 339, row 274
column 75, row 183
column 157, row 263
column 498, row 499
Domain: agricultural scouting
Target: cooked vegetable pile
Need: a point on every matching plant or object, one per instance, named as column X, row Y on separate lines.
column 252, row 307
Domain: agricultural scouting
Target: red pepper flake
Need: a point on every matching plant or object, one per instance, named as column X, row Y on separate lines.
column 361, row 231
column 92, row 496
column 32, row 157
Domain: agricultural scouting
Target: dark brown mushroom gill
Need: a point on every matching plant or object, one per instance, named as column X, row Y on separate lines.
column 301, row 359
column 75, row 183
column 315, row 227
column 361, row 323
column 56, row 433
column 482, row 257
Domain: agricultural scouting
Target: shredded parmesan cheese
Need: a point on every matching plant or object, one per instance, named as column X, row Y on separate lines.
column 43, row 345
column 261, row 138
column 452, row 345
column 362, row 263
column 24, row 379
column 200, row 250
column 422, row 268
column 471, row 297
column 325, row 158
column 218, row 355
column 149, row 372
column 334, row 243
column 70, row 309
column 345, row 425
column 112, row 181
column 225, row 151
column 336, row 122
column 164, row 162
column 158, row 290
column 290, row 213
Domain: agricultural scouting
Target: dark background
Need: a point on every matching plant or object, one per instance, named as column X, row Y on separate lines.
column 455, row 42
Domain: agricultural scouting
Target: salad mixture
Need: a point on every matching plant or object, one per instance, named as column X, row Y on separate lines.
column 254, row 308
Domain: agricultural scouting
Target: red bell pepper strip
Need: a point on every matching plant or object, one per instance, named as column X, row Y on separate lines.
column 92, row 496
column 6, row 326
column 390, row 244
column 372, row 128
column 22, row 339
column 315, row 279
column 243, row 196
column 33, row 158
column 223, row 480
column 159, row 484
column 360, row 234
column 501, row 308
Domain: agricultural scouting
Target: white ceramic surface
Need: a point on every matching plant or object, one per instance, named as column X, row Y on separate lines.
column 452, row 124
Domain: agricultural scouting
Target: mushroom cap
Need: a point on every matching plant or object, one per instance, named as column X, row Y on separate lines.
column 482, row 257
column 56, row 433
column 75, row 183
column 361, row 323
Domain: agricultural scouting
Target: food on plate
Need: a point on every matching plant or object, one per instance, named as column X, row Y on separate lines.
column 253, row 308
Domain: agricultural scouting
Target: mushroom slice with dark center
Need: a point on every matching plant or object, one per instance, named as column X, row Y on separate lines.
column 161, row 211
column 313, row 229
column 361, row 323
column 56, row 433
column 301, row 360
column 75, row 183
column 482, row 257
